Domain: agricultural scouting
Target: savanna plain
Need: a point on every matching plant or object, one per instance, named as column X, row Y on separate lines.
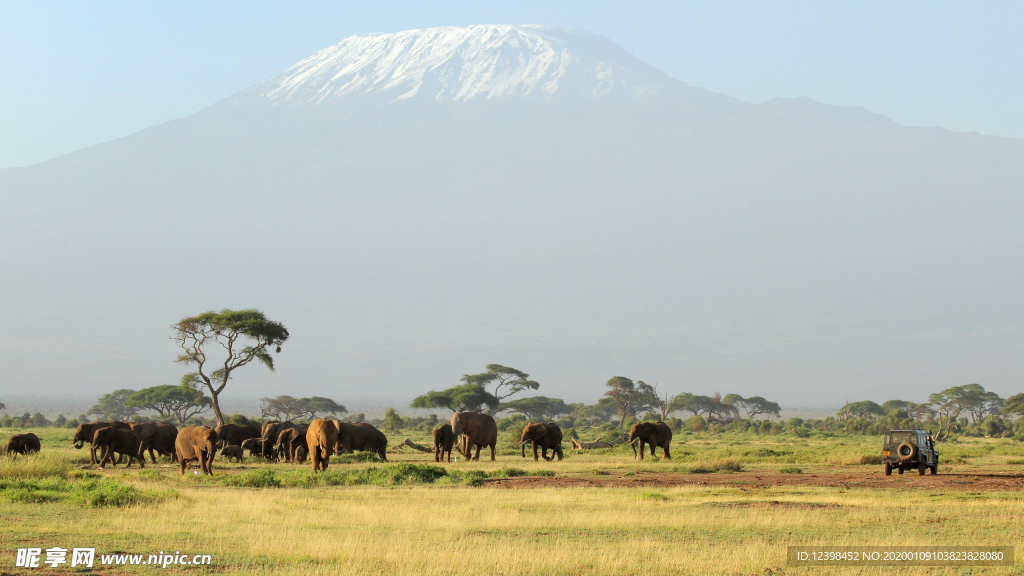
column 727, row 503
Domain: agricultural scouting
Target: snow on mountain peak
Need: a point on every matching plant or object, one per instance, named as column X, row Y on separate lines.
column 466, row 63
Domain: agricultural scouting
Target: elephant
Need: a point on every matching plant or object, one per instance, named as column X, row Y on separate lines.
column 444, row 439
column 288, row 440
column 653, row 434
column 156, row 436
column 543, row 436
column 196, row 443
column 272, row 429
column 321, row 438
column 232, row 453
column 235, row 434
column 120, row 441
column 85, row 432
column 477, row 429
column 361, row 436
column 257, row 447
column 23, row 444
column 300, row 455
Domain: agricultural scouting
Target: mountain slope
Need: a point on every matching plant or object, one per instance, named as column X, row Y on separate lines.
column 416, row 205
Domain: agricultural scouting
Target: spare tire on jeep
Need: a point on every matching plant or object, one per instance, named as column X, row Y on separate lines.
column 907, row 451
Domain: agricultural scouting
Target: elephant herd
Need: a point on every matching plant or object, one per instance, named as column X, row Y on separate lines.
column 549, row 437
column 318, row 440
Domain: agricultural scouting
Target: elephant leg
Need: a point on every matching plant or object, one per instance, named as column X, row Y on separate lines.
column 478, row 447
column 493, row 445
column 534, row 451
column 641, row 449
column 315, row 457
column 181, row 463
column 667, row 456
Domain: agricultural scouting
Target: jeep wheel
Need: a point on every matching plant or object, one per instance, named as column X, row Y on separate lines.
column 920, row 469
column 935, row 468
column 900, row 469
column 888, row 469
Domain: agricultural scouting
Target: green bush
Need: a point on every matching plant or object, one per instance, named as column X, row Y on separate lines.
column 474, row 477
column 82, row 489
column 791, row 470
column 508, row 472
column 255, row 479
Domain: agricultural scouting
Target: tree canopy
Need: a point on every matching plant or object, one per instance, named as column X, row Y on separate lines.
column 862, row 409
column 537, row 408
column 114, row 406
column 287, row 408
column 754, row 406
column 630, row 397
column 240, row 336
column 458, row 399
column 506, row 381
column 182, row 401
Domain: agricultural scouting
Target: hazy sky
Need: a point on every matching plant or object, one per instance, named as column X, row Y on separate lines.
column 75, row 74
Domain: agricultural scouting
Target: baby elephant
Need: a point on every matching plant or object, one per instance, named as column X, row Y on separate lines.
column 444, row 439
column 232, row 452
column 23, row 444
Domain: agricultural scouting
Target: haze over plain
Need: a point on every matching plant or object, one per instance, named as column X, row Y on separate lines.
column 416, row 205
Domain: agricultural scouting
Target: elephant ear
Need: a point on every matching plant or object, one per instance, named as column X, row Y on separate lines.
column 540, row 431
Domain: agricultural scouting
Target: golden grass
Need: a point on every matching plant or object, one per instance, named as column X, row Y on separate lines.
column 435, row 530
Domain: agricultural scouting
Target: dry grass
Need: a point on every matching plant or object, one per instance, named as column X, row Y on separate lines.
column 448, row 528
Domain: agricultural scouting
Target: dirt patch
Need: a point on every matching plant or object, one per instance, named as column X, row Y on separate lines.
column 760, row 480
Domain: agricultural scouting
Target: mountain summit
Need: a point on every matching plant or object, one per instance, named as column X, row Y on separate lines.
column 466, row 63
column 414, row 206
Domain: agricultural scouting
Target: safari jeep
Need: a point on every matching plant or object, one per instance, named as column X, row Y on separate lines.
column 909, row 450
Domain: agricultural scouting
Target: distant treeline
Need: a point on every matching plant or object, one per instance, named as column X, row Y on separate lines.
column 963, row 410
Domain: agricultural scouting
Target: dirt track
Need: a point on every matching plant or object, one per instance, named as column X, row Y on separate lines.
column 754, row 480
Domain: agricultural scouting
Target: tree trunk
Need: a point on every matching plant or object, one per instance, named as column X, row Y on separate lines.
column 412, row 445
column 216, row 408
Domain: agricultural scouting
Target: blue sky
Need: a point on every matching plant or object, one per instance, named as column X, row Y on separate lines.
column 73, row 74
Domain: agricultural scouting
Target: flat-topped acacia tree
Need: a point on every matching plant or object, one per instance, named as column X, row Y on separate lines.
column 243, row 336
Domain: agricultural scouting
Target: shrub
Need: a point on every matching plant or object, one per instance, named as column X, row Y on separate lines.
column 726, row 465
column 255, row 479
column 405, row 473
column 474, row 477
column 791, row 470
column 83, row 489
column 508, row 472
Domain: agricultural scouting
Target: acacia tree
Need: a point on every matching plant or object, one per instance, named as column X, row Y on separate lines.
column 242, row 335
column 513, row 381
column 114, row 406
column 754, row 405
column 1014, row 405
column 630, row 397
column 538, row 408
column 282, row 407
column 457, row 399
column 182, row 401
column 286, row 407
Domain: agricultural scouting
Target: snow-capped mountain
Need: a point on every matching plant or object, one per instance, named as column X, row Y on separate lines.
column 467, row 63
column 414, row 206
